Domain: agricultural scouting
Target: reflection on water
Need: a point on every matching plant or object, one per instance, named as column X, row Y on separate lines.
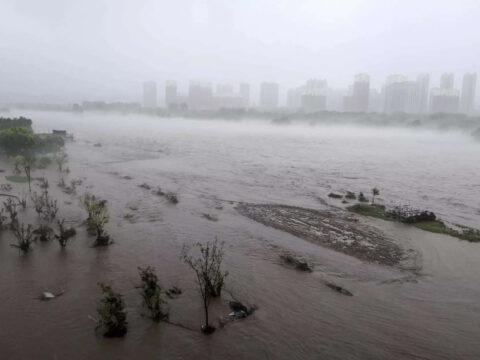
column 393, row 314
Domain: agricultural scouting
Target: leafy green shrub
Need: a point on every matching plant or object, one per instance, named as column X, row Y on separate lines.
column 113, row 317
column 151, row 293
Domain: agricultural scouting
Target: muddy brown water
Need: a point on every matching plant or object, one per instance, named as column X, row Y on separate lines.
column 429, row 313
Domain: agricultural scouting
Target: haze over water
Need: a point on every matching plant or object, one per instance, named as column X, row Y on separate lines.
column 394, row 314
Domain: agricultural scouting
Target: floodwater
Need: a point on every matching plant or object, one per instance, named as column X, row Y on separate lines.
column 430, row 313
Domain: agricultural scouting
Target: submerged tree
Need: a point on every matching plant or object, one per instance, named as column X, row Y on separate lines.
column 113, row 317
column 206, row 264
column 151, row 293
column 97, row 218
column 375, row 192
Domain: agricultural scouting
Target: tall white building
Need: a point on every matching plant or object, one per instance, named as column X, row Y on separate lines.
column 171, row 95
column 360, row 93
column 444, row 101
column 423, row 82
column 468, row 93
column 245, row 94
column 149, row 94
column 200, row 96
column 269, row 95
column 400, row 95
column 447, row 81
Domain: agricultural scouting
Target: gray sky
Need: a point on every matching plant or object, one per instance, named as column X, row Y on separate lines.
column 71, row 50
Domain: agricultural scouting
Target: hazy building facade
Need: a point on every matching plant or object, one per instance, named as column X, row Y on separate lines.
column 447, row 81
column 312, row 101
column 245, row 94
column 468, row 93
column 149, row 94
column 360, row 93
column 269, row 95
column 444, row 100
column 400, row 95
column 423, row 83
column 171, row 95
column 200, row 96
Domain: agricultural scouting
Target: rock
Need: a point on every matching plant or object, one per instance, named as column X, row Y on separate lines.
column 173, row 291
column 350, row 195
column 145, row 186
column 47, row 296
column 335, row 196
column 97, row 144
column 338, row 288
column 299, row 264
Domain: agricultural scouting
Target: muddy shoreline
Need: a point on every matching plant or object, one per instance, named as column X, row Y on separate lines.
column 335, row 230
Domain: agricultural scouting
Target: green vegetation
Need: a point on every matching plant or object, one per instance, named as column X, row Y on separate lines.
column 21, row 122
column 113, row 317
column 97, row 218
column 151, row 293
column 17, row 178
column 64, row 233
column 435, row 226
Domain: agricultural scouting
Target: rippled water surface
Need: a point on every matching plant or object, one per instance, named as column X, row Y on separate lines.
column 431, row 313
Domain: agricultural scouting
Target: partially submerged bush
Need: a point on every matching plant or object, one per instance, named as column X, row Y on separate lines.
column 172, row 198
column 362, row 197
column 97, row 218
column 43, row 232
column 10, row 208
column 24, row 237
column 151, row 293
column 44, row 205
column 113, row 317
column 64, row 233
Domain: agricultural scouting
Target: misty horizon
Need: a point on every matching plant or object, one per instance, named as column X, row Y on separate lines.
column 51, row 54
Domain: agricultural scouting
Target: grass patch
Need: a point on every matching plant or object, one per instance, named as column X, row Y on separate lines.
column 16, row 178
column 436, row 226
column 377, row 211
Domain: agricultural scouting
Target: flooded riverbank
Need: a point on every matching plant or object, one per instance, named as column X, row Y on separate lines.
column 395, row 313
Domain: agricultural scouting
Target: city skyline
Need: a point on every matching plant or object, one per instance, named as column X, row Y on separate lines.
column 398, row 94
column 50, row 55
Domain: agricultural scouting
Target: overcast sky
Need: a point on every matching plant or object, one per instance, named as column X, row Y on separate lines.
column 74, row 50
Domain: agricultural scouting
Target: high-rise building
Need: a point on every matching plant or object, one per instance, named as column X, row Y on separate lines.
column 150, row 94
column 423, row 82
column 446, row 81
column 294, row 97
column 400, row 95
column 269, row 95
column 360, row 93
column 245, row 94
column 200, row 96
column 468, row 93
column 171, row 96
column 444, row 101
